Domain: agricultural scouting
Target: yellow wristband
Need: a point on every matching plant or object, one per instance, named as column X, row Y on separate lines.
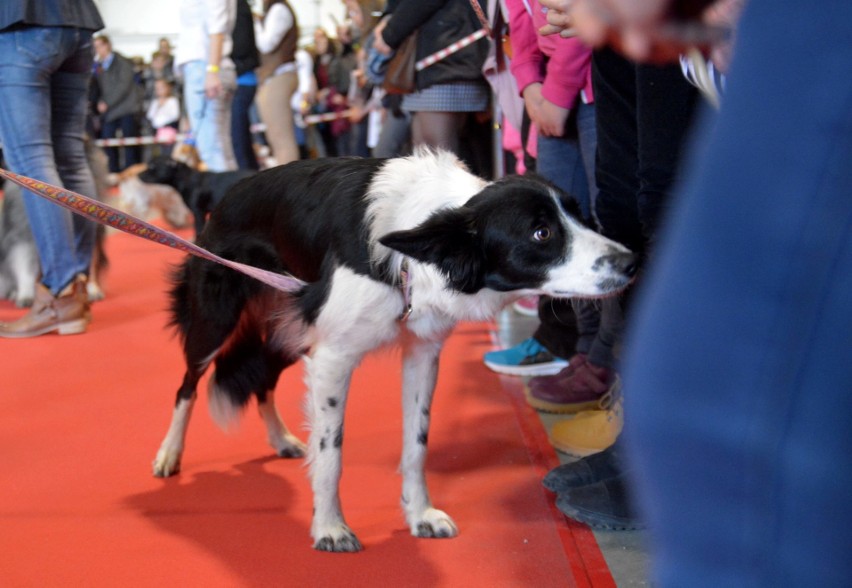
column 213, row 68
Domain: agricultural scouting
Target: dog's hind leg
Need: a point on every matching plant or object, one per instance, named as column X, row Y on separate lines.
column 169, row 455
column 285, row 443
column 329, row 372
column 279, row 436
column 199, row 350
column 419, row 375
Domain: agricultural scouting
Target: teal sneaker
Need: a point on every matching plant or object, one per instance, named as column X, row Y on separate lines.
column 528, row 358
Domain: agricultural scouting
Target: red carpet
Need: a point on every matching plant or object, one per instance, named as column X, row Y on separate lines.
column 81, row 418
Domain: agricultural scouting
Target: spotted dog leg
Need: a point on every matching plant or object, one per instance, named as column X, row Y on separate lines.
column 328, row 377
column 420, row 372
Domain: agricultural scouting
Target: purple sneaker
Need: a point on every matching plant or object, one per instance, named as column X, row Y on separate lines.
column 578, row 387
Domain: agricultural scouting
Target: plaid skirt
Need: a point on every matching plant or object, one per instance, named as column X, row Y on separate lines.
column 452, row 97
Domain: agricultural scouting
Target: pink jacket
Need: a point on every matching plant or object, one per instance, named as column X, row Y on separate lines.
column 568, row 68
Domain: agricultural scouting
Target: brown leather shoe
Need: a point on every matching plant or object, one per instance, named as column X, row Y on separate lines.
column 67, row 314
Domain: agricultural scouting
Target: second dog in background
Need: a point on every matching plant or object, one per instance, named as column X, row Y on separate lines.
column 200, row 190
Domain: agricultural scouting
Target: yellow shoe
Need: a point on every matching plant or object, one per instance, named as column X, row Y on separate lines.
column 591, row 431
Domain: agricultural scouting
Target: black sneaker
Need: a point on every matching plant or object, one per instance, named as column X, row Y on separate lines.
column 589, row 470
column 604, row 505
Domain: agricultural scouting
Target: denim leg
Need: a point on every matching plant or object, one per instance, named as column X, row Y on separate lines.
column 561, row 162
column 241, row 127
column 738, row 380
column 210, row 120
column 587, row 136
column 44, row 78
column 665, row 108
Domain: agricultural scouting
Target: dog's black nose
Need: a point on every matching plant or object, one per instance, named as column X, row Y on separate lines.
column 626, row 264
column 631, row 265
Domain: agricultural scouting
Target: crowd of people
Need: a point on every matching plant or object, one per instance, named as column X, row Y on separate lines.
column 241, row 90
column 613, row 117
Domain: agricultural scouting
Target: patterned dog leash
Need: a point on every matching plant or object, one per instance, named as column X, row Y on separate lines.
column 111, row 217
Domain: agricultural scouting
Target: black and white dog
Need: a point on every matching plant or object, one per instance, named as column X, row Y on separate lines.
column 200, row 190
column 393, row 251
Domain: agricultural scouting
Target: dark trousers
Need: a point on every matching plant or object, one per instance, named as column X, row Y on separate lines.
column 129, row 126
column 241, row 127
column 643, row 114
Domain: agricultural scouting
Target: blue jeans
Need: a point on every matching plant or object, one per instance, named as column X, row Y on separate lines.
column 241, row 127
column 738, row 380
column 44, row 80
column 569, row 161
column 210, row 120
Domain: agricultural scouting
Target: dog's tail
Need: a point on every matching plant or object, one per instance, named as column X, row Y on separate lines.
column 222, row 316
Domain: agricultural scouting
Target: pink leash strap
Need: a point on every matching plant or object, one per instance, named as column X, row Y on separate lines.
column 111, row 217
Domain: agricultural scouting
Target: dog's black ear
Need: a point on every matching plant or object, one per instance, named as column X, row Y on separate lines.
column 447, row 240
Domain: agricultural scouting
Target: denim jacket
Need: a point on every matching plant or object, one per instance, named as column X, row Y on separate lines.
column 81, row 14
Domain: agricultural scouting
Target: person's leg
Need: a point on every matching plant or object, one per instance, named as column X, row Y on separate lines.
column 273, row 103
column 665, row 106
column 587, row 135
column 395, row 136
column 616, row 162
column 69, row 106
column 560, row 161
column 26, row 113
column 210, row 120
column 241, row 127
column 108, row 131
column 737, row 381
column 130, row 128
column 437, row 129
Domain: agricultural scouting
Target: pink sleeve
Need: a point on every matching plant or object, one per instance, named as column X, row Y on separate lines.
column 568, row 72
column 527, row 59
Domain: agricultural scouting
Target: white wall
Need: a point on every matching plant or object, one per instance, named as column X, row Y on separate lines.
column 136, row 25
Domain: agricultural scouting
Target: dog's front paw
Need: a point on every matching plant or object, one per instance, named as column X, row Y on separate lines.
column 434, row 524
column 338, row 540
column 167, row 463
column 289, row 446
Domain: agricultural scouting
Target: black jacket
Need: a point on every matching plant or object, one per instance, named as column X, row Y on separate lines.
column 439, row 23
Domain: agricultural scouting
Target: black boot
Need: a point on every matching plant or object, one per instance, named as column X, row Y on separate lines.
column 589, row 470
column 603, row 505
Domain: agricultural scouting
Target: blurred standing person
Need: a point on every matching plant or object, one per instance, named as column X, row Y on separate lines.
column 165, row 51
column 44, row 83
column 119, row 102
column 738, row 373
column 209, row 77
column 325, row 51
column 164, row 114
column 452, row 89
column 277, row 35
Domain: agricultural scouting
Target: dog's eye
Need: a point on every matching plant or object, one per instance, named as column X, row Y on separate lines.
column 542, row 234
